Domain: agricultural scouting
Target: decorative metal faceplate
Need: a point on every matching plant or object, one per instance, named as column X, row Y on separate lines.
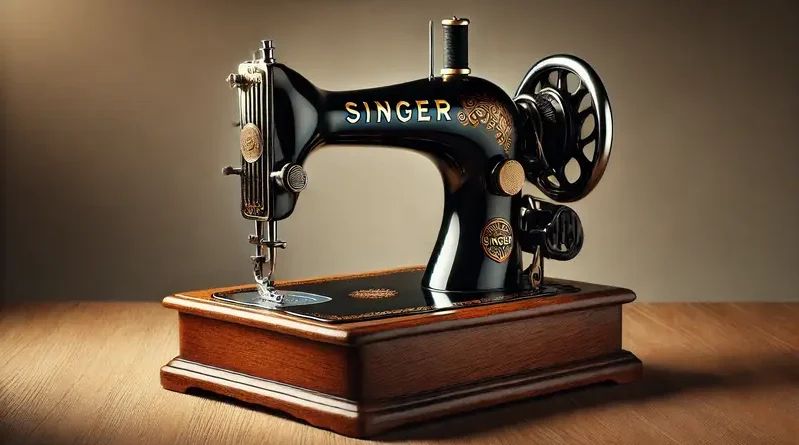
column 256, row 159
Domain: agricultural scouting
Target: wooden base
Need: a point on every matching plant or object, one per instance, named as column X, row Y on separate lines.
column 361, row 378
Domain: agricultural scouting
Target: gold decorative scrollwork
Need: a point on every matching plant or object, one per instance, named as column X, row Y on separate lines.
column 373, row 294
column 488, row 111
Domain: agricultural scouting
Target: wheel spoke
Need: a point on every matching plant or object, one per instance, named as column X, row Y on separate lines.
column 560, row 175
column 585, row 163
column 583, row 115
column 588, row 139
column 544, row 178
column 545, row 80
column 577, row 97
column 562, row 83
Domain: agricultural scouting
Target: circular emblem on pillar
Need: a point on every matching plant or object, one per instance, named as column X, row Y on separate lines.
column 497, row 239
column 252, row 143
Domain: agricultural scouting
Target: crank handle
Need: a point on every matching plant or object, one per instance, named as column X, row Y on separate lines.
column 555, row 229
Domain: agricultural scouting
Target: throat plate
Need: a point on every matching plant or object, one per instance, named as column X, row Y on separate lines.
column 254, row 299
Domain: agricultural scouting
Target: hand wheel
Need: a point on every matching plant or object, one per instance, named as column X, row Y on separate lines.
column 573, row 125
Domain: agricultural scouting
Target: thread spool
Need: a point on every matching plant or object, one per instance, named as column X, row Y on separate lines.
column 456, row 47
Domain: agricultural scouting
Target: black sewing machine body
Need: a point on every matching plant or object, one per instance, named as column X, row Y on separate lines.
column 433, row 118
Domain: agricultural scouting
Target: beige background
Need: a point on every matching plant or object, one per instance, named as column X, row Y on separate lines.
column 118, row 121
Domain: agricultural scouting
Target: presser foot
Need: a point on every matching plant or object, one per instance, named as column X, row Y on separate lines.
column 268, row 292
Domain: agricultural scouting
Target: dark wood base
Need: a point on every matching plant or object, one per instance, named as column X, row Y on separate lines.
column 365, row 377
column 355, row 419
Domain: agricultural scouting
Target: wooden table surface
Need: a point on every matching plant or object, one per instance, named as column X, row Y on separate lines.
column 713, row 373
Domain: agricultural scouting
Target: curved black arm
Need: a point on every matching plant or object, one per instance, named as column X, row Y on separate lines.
column 467, row 126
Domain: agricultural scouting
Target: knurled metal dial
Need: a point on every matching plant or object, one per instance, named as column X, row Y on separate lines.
column 509, row 177
column 292, row 177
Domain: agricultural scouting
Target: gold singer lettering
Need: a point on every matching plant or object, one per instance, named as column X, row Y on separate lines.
column 498, row 241
column 384, row 111
column 400, row 116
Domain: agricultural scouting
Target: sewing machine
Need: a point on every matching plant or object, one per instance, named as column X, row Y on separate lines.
column 363, row 353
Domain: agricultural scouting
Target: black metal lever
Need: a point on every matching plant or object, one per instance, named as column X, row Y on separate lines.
column 556, row 229
column 227, row 171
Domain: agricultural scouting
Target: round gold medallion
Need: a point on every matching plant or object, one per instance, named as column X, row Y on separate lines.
column 252, row 143
column 497, row 239
column 373, row 294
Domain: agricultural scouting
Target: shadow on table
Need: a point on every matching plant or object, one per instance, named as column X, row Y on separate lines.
column 658, row 382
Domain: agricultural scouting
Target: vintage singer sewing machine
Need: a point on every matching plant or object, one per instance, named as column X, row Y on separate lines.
column 360, row 354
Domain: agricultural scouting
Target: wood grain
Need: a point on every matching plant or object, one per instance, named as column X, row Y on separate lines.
column 365, row 419
column 270, row 355
column 715, row 373
column 420, row 363
column 200, row 303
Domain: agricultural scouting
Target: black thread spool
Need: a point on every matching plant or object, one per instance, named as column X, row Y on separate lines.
column 456, row 47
